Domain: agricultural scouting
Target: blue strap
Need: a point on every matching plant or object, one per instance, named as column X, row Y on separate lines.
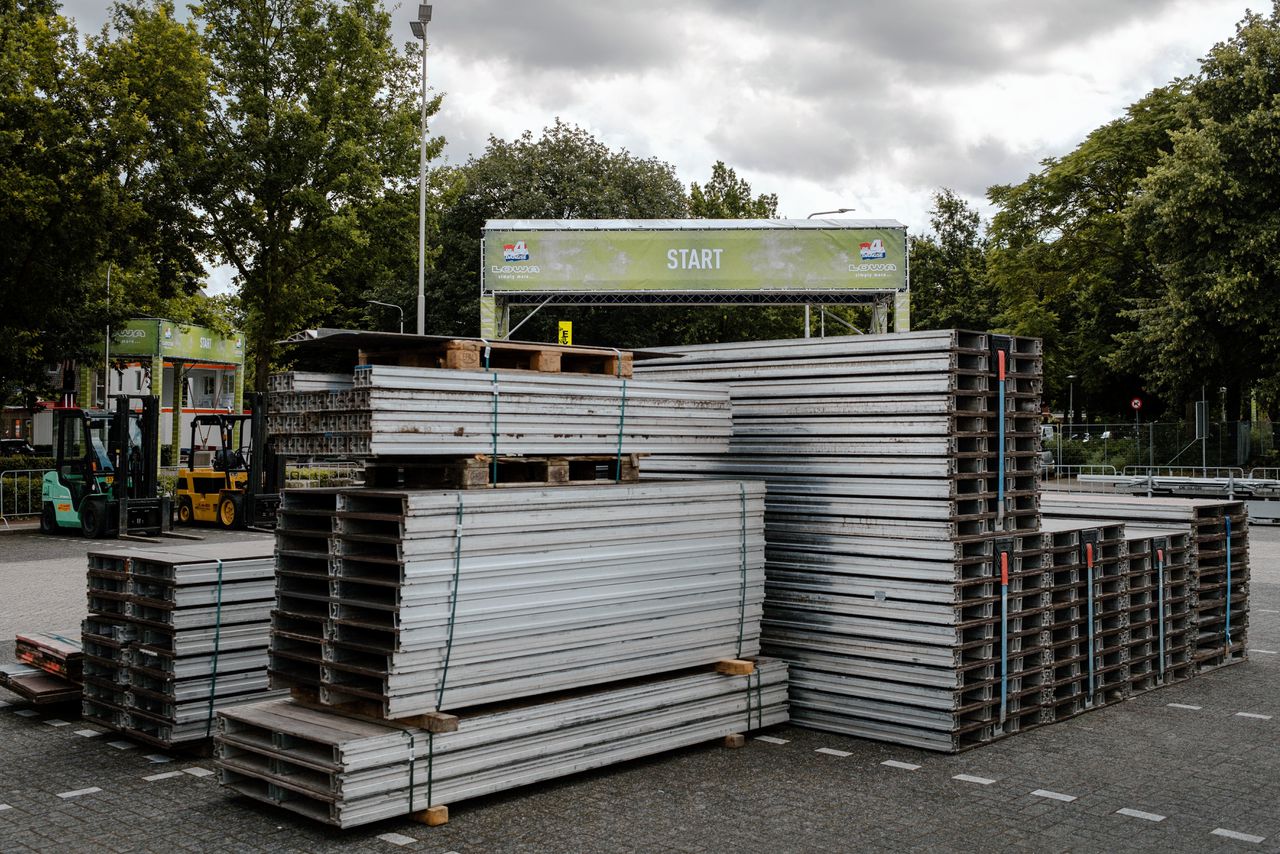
column 1161, row 593
column 1228, row 590
column 1004, row 636
column 1088, row 568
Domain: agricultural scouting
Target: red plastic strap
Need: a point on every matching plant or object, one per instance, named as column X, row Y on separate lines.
column 1088, row 555
column 1000, row 355
column 1004, row 568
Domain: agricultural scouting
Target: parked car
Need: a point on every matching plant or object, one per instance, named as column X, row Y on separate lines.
column 16, row 448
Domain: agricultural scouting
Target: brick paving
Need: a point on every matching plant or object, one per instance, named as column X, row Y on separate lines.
column 1213, row 775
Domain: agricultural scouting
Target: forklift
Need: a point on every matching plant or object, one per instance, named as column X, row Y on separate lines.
column 106, row 480
column 238, row 487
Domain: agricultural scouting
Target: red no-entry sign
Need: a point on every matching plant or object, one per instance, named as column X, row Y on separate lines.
column 1136, row 403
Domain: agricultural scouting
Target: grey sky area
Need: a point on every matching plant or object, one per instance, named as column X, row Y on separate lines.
column 827, row 103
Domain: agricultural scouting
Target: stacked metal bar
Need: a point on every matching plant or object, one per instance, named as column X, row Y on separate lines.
column 1160, row 648
column 428, row 600
column 893, row 463
column 174, row 635
column 409, row 412
column 58, row 653
column 346, row 772
column 1218, row 558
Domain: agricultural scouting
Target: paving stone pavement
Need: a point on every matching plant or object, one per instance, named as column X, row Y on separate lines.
column 1203, row 770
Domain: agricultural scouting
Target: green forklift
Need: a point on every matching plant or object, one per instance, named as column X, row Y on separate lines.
column 106, row 480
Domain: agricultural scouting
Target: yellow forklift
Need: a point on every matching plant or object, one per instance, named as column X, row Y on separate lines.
column 237, row 486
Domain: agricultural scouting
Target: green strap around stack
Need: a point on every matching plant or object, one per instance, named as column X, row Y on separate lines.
column 453, row 604
column 742, row 565
column 217, row 640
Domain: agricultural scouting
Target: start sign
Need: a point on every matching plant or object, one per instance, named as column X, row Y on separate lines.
column 1136, row 403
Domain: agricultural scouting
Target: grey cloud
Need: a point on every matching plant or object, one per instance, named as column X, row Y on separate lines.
column 554, row 34
column 937, row 39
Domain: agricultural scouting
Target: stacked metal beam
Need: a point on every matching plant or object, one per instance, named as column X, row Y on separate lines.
column 428, row 600
column 410, row 412
column 346, row 771
column 1217, row 586
column 174, row 635
column 893, row 463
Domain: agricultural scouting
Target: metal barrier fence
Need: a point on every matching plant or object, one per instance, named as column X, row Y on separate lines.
column 1184, row 471
column 1269, row 473
column 20, row 493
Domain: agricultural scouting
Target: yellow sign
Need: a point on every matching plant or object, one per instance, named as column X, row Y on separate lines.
column 566, row 333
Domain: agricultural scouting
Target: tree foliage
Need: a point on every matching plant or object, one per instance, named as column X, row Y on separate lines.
column 314, row 122
column 726, row 196
column 1208, row 216
column 88, row 138
column 949, row 285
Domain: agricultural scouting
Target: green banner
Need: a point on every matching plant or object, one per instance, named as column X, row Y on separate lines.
column 693, row 260
column 176, row 341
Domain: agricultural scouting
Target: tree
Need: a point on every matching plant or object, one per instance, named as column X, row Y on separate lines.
column 88, row 140
column 726, row 196
column 314, row 123
column 1062, row 262
column 949, row 287
column 1208, row 213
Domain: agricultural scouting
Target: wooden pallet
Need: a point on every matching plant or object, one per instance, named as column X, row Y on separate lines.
column 478, row 471
column 368, row 710
column 469, row 355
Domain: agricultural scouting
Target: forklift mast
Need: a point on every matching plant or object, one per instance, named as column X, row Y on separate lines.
column 136, row 462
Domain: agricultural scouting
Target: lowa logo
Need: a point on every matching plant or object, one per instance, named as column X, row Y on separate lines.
column 133, row 333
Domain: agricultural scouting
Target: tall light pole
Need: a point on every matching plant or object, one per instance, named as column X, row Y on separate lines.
column 390, row 305
column 419, row 28
column 811, row 216
column 1071, row 407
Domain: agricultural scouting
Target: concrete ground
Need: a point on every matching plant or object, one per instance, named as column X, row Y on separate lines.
column 1191, row 767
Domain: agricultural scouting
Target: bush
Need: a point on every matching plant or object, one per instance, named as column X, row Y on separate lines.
column 21, row 496
column 24, row 463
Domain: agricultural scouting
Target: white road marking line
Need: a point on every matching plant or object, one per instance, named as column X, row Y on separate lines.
column 198, row 772
column 1266, row 611
column 78, row 792
column 397, row 838
column 829, row 751
column 1264, row 652
column 4, row 807
column 1057, row 796
column 1252, row 716
column 88, row 733
column 905, row 766
column 157, row 758
column 969, row 778
column 4, row 704
column 1184, row 706
column 57, row 722
column 26, row 713
column 769, row 739
column 121, row 745
column 1145, row 816
column 1235, row 834
column 167, row 775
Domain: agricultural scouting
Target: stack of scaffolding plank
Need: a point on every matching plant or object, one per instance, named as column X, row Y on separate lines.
column 1160, row 636
column 398, row 412
column 47, row 669
column 346, row 771
column 1217, row 581
column 173, row 635
column 427, row 600
column 893, row 463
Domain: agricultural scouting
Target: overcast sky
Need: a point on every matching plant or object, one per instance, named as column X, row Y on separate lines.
column 827, row 103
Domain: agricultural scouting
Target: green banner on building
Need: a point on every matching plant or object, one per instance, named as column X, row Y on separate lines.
column 695, row 260
column 150, row 337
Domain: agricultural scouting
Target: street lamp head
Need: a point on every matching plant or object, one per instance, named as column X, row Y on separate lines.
column 836, row 211
column 419, row 31
column 424, row 13
column 1071, row 377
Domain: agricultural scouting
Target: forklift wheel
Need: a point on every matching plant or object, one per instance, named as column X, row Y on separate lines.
column 184, row 511
column 93, row 520
column 229, row 513
column 48, row 519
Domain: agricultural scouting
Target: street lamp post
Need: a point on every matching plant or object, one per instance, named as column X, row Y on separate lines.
column 419, row 28
column 811, row 216
column 1071, row 407
column 390, row 305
